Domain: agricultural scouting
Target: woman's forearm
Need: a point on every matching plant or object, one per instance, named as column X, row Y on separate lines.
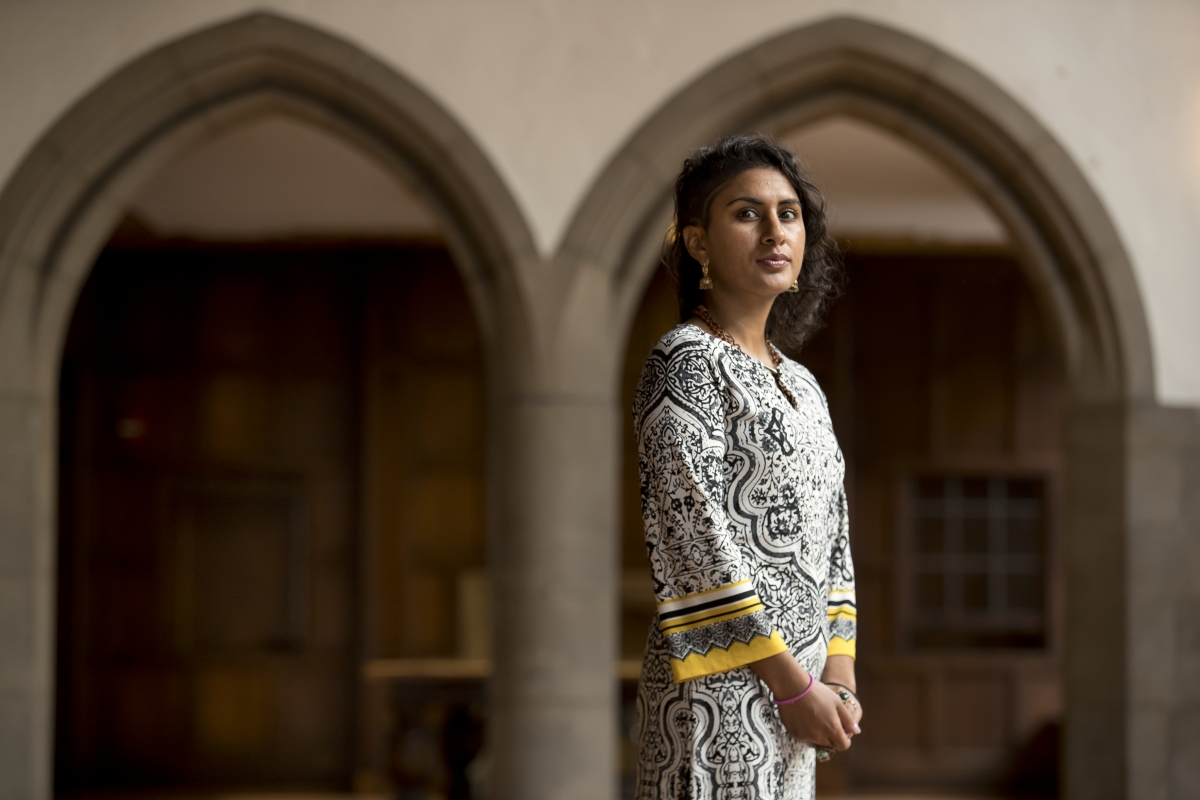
column 840, row 669
column 782, row 674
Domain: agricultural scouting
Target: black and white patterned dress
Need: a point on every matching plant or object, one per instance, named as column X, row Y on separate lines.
column 748, row 537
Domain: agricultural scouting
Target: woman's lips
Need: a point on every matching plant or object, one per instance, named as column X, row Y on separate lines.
column 776, row 260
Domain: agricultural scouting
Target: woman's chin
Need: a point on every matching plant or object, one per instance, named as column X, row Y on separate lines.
column 777, row 283
column 768, row 287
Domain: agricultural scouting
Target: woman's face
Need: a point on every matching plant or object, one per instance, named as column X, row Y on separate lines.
column 754, row 241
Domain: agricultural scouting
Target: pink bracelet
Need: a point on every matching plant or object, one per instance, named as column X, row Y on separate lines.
column 798, row 697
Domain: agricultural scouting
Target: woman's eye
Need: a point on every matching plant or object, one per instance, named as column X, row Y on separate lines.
column 788, row 215
column 747, row 213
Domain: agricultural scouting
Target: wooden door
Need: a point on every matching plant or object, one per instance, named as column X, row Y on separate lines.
column 424, row 578
column 209, row 492
column 944, row 390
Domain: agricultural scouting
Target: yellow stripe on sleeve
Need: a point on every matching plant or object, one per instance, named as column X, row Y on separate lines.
column 842, row 647
column 718, row 660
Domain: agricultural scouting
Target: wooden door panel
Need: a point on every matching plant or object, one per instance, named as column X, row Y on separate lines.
column 209, row 507
column 140, row 723
column 898, row 711
column 951, row 374
column 975, row 711
column 237, row 416
column 306, row 702
column 234, row 714
column 423, row 470
column 241, row 568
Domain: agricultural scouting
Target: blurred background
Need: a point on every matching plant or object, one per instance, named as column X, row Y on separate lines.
column 319, row 329
column 273, row 431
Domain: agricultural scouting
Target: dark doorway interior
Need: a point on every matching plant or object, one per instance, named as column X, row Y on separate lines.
column 232, row 543
column 945, row 391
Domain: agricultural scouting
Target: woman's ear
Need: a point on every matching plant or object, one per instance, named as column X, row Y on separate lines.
column 696, row 243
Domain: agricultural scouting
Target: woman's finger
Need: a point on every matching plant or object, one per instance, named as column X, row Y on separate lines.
column 838, row 739
column 846, row 716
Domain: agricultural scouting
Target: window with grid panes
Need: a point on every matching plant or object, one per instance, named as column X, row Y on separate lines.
column 978, row 562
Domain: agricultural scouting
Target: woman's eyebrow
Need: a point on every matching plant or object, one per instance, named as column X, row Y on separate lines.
column 757, row 202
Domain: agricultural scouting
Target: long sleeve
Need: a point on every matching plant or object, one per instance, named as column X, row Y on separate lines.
column 708, row 609
column 842, row 610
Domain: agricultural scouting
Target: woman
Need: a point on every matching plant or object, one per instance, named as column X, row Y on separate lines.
column 749, row 671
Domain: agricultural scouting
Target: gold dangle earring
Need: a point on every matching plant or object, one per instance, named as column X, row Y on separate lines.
column 705, row 281
column 795, row 287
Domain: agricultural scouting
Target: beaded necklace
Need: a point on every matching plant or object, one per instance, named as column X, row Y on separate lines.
column 776, row 359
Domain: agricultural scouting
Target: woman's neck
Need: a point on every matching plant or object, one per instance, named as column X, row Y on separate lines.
column 745, row 321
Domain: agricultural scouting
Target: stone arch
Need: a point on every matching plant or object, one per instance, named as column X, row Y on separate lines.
column 1069, row 247
column 946, row 107
column 68, row 193
column 64, row 196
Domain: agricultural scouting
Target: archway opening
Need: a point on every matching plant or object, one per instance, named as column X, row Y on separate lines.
column 271, row 563
column 945, row 383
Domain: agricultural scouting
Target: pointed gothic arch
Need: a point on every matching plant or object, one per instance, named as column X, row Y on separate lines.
column 939, row 103
column 1069, row 249
column 69, row 192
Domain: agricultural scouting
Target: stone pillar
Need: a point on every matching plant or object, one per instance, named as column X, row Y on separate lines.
column 1094, row 565
column 26, row 597
column 1163, row 610
column 1132, row 667
column 553, row 560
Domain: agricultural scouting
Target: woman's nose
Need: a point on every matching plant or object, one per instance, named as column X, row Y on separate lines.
column 773, row 232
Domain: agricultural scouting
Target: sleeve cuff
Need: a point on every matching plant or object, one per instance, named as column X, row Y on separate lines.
column 842, row 647
column 717, row 630
column 722, row 660
column 842, row 612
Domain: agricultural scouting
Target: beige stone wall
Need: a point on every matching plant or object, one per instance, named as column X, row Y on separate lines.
column 551, row 91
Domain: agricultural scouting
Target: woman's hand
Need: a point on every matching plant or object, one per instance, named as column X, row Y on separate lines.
column 848, row 700
column 819, row 719
column 839, row 671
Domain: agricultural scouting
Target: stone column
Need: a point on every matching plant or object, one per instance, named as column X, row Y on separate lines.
column 26, row 597
column 1095, row 631
column 1163, row 603
column 553, row 562
column 554, row 553
column 1133, row 602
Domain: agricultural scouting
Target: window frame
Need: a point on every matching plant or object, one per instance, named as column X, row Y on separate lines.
column 908, row 618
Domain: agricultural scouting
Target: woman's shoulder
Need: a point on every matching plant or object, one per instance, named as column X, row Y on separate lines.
column 684, row 352
column 685, row 343
column 681, row 371
column 683, row 337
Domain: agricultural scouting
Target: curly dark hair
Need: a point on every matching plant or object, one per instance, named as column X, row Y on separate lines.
column 795, row 316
